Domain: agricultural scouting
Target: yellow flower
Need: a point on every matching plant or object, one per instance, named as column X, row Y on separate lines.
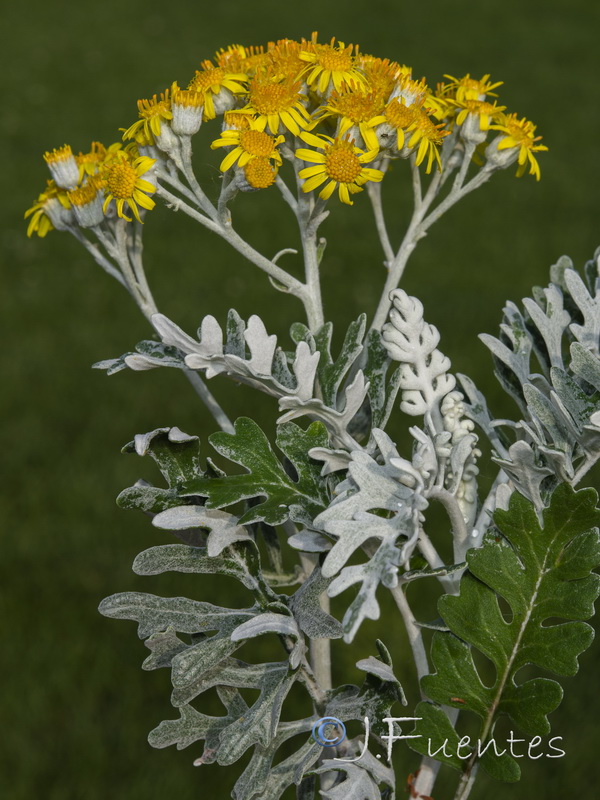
column 284, row 56
column 124, row 184
column 468, row 88
column 355, row 107
column 381, row 73
column 276, row 101
column 150, row 113
column 340, row 163
column 520, row 133
column 329, row 63
column 48, row 210
column 241, row 60
column 91, row 162
column 485, row 112
column 217, row 83
column 260, row 173
column 413, row 127
column 235, row 119
column 248, row 144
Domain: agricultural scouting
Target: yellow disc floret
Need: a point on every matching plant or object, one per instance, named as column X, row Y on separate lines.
column 382, row 74
column 260, row 173
column 340, row 165
column 235, row 119
column 219, row 84
column 330, row 63
column 83, row 195
column 89, row 163
column 276, row 101
column 240, row 59
column 248, row 144
column 151, row 112
column 58, row 155
column 124, row 185
column 414, row 127
column 356, row 107
column 284, row 57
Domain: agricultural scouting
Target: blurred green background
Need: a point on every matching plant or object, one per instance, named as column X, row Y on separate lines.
column 74, row 704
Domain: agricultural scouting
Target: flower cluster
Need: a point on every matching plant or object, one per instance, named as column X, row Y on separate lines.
column 83, row 187
column 354, row 111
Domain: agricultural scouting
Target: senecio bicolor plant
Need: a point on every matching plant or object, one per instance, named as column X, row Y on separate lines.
column 337, row 492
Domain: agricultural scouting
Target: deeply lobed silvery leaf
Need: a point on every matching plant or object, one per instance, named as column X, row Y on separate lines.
column 246, row 352
column 424, row 378
column 223, row 527
column 337, row 422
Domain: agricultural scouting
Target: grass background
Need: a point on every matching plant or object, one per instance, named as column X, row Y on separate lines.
column 74, row 705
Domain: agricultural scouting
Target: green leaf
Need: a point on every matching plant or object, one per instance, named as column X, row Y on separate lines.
column 543, row 573
column 306, row 607
column 178, row 458
column 181, row 558
column 176, row 453
column 228, row 672
column 155, row 614
column 329, row 372
column 298, row 498
column 382, row 396
column 436, row 735
column 149, row 354
column 163, row 646
column 259, row 724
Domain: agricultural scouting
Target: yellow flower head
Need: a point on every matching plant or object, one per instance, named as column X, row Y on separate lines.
column 277, row 101
column 247, row 145
column 90, row 163
column 410, row 90
column 217, row 83
column 340, row 165
column 241, row 60
column 284, row 57
column 329, row 64
column 381, row 73
column 414, row 127
column 520, row 133
column 41, row 212
column 485, row 112
column 468, row 88
column 124, row 184
column 260, row 173
column 235, row 119
column 151, row 112
column 356, row 107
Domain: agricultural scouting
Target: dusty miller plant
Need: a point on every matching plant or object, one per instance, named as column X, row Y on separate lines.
column 314, row 120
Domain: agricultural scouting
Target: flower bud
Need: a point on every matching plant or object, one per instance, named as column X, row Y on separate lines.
column 187, row 109
column 86, row 202
column 63, row 167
